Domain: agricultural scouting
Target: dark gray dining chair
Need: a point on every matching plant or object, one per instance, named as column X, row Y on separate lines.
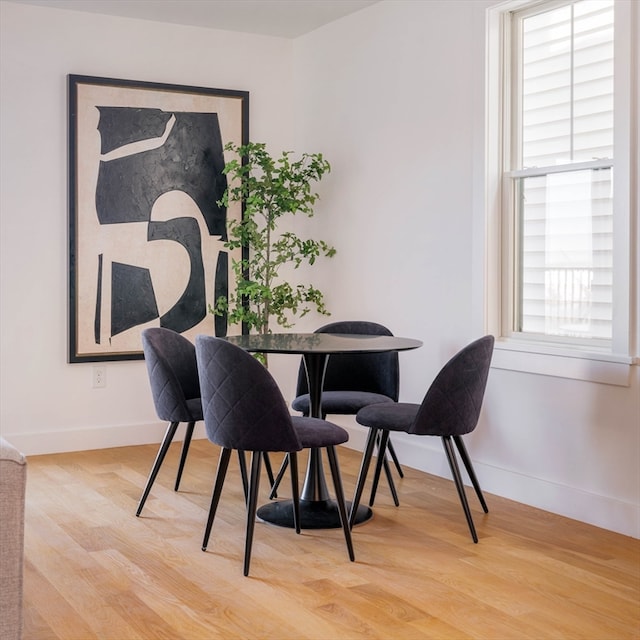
column 173, row 376
column 175, row 388
column 450, row 409
column 353, row 381
column 244, row 410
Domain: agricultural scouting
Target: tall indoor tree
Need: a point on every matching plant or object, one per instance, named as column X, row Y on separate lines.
column 271, row 188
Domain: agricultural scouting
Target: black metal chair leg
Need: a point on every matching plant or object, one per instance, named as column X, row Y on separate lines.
column 295, row 489
column 383, row 442
column 276, row 483
column 457, row 478
column 183, row 456
column 245, row 474
column 362, row 475
column 392, row 486
column 342, row 509
column 394, row 457
column 267, row 466
column 470, row 470
column 252, row 506
column 162, row 452
column 223, row 465
column 242, row 460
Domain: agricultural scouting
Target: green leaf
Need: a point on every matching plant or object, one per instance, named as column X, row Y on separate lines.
column 270, row 188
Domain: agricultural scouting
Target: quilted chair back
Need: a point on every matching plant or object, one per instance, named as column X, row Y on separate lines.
column 452, row 404
column 370, row 372
column 242, row 404
column 173, row 375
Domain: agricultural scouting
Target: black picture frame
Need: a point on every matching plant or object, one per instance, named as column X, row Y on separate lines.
column 146, row 233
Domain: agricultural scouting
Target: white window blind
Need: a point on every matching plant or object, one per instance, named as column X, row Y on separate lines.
column 562, row 171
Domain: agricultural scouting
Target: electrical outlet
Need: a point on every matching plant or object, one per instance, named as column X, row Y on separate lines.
column 99, row 377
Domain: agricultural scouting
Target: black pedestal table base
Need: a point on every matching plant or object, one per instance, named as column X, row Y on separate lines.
column 313, row 514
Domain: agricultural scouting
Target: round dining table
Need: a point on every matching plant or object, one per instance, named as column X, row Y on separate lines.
column 317, row 510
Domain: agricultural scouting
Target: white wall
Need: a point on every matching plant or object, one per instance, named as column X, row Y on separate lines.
column 46, row 404
column 393, row 95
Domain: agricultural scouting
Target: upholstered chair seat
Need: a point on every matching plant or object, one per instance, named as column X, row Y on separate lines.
column 449, row 410
column 244, row 410
column 175, row 388
column 173, row 376
column 353, row 381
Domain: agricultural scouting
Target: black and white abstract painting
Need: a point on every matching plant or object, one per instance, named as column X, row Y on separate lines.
column 146, row 232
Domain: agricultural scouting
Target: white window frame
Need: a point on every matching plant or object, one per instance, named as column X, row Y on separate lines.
column 521, row 352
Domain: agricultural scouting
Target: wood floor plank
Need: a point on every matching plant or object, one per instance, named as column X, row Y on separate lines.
column 95, row 570
column 50, row 616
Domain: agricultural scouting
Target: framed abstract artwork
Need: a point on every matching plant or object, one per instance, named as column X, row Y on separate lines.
column 146, row 232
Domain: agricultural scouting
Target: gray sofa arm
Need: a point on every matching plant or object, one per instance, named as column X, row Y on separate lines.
column 13, row 481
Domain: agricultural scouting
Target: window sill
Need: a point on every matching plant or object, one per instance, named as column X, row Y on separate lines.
column 603, row 368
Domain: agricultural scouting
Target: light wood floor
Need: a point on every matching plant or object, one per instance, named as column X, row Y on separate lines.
column 94, row 570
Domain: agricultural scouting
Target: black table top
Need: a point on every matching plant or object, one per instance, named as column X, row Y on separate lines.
column 322, row 343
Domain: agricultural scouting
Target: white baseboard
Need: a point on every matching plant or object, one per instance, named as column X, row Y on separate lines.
column 32, row 444
column 424, row 454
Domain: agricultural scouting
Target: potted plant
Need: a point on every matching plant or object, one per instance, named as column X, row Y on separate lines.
column 271, row 188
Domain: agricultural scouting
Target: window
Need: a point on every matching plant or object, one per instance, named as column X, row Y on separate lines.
column 560, row 129
column 561, row 170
